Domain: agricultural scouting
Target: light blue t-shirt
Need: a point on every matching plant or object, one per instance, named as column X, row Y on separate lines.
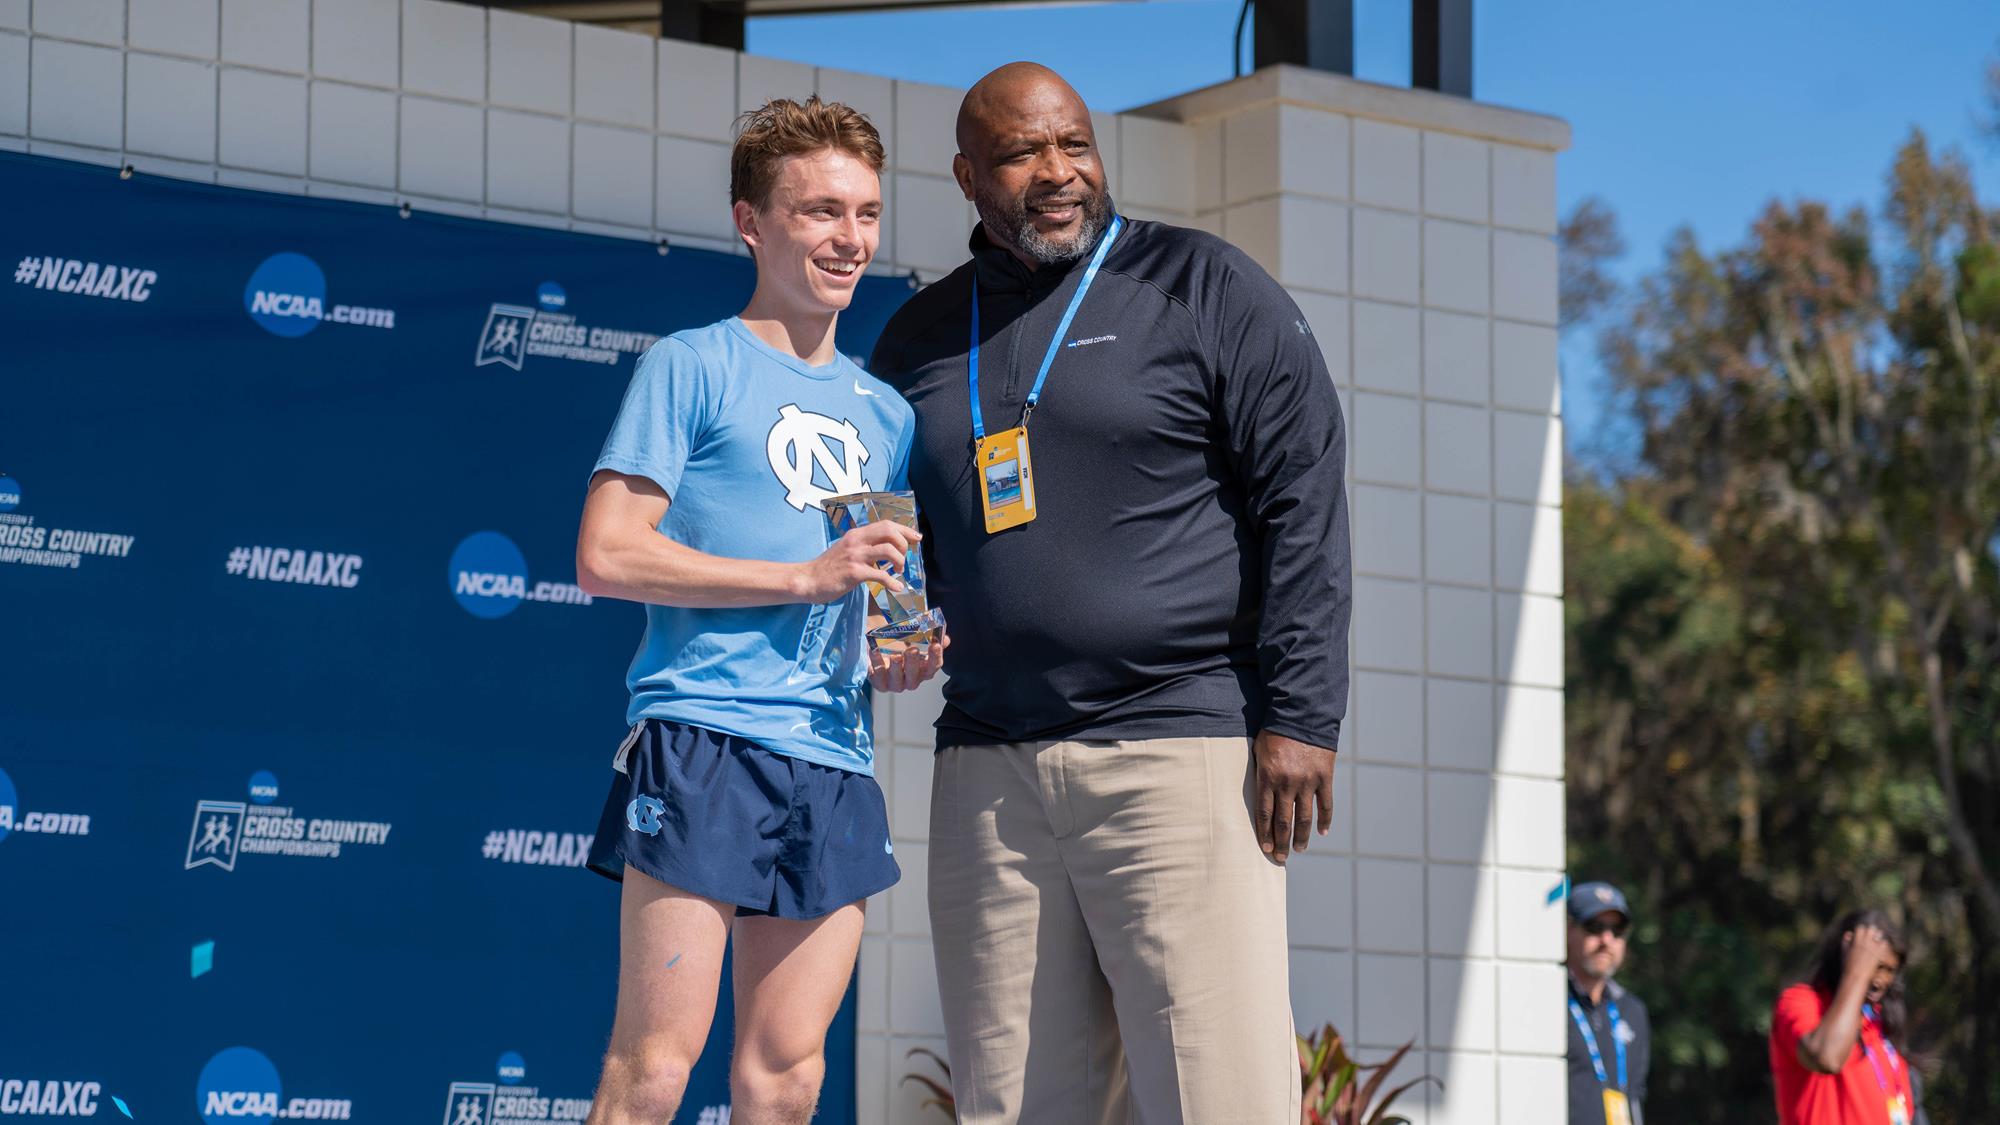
column 747, row 441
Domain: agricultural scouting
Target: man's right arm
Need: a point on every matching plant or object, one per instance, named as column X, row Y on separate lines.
column 620, row 553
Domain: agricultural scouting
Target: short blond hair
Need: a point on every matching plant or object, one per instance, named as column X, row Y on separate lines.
column 781, row 127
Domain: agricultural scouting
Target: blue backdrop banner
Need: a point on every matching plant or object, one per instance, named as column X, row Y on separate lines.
column 304, row 724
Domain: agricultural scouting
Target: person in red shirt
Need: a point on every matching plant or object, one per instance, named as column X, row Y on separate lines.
column 1833, row 1034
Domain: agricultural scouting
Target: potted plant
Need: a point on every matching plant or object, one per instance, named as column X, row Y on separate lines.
column 1336, row 1089
column 1341, row 1091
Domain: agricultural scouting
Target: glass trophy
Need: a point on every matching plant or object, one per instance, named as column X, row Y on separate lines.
column 897, row 621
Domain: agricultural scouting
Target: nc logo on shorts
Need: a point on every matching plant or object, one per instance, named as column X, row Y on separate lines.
column 643, row 815
column 287, row 294
column 239, row 1086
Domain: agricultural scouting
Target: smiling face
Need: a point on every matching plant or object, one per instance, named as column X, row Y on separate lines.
column 817, row 230
column 1028, row 161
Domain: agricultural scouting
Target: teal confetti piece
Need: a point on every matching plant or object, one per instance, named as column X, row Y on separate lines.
column 120, row 1102
column 200, row 960
column 1558, row 892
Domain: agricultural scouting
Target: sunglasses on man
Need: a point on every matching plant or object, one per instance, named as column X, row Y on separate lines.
column 1598, row 927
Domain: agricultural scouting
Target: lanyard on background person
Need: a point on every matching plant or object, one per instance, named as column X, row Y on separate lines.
column 1617, row 1104
column 1892, row 1082
column 1590, row 1039
column 1005, row 471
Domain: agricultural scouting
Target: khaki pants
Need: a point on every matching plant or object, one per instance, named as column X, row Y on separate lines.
column 1110, row 939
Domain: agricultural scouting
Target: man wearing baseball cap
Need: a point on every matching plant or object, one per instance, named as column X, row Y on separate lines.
column 1610, row 1034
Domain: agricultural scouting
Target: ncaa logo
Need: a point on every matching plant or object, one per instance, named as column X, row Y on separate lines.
column 551, row 296
column 10, row 494
column 9, row 801
column 488, row 575
column 513, row 1067
column 469, row 1103
column 263, row 787
column 286, row 295
column 239, row 1086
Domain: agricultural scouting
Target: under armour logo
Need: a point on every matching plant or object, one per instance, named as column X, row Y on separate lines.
column 798, row 449
column 1303, row 330
column 643, row 815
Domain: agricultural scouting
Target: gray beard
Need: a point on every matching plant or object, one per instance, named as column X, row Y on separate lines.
column 1010, row 218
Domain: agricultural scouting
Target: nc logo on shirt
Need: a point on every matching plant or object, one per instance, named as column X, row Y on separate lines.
column 801, row 456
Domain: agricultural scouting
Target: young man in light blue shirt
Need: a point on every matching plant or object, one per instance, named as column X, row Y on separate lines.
column 745, row 801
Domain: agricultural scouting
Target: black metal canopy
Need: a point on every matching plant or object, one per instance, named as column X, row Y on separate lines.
column 1310, row 33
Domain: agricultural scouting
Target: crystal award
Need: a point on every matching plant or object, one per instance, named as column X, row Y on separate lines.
column 907, row 619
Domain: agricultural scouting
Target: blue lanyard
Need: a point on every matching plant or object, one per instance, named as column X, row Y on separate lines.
column 1868, row 1013
column 1590, row 1039
column 1055, row 345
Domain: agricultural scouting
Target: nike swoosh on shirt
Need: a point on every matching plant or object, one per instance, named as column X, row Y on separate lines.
column 861, row 390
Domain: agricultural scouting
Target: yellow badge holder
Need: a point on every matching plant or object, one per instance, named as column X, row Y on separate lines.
column 1006, row 480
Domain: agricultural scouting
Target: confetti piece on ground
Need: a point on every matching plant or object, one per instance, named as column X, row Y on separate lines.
column 675, row 961
column 1557, row 892
column 120, row 1103
column 201, row 959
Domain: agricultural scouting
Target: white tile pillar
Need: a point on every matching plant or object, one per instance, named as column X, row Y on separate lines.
column 1416, row 230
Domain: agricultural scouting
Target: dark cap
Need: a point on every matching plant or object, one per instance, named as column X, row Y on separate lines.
column 1588, row 900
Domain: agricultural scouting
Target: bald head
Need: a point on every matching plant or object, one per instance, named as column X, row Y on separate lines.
column 1002, row 98
column 1027, row 158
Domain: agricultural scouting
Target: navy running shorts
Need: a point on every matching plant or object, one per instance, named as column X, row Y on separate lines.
column 724, row 818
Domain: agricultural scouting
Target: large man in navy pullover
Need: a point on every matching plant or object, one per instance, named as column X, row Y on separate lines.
column 1149, row 665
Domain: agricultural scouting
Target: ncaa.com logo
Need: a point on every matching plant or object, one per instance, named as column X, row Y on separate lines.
column 13, row 819
column 286, row 296
column 240, row 1086
column 489, row 577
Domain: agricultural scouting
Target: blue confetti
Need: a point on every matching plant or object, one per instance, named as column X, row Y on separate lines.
column 200, row 959
column 1557, row 892
column 120, row 1103
column 675, row 961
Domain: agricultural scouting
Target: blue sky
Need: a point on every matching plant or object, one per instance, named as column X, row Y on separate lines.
column 1696, row 113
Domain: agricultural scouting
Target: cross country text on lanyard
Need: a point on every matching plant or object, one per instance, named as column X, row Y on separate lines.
column 1590, row 1039
column 1055, row 345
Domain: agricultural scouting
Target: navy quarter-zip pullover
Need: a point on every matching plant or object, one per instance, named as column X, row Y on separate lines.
column 1188, row 571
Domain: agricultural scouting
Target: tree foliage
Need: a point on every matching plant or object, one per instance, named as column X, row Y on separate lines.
column 1784, row 629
